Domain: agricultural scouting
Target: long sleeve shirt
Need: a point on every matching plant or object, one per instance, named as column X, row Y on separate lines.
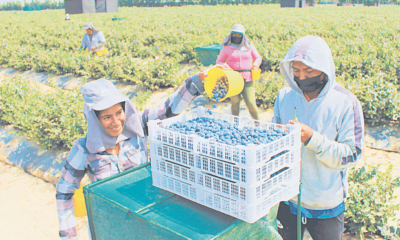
column 96, row 40
column 240, row 60
column 133, row 152
column 336, row 118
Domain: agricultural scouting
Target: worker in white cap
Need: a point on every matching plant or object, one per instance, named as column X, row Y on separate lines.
column 94, row 39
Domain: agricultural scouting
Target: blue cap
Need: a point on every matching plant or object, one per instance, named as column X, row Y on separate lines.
column 237, row 32
column 101, row 94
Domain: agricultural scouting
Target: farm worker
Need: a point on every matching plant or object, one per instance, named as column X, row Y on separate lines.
column 332, row 133
column 93, row 39
column 239, row 54
column 116, row 139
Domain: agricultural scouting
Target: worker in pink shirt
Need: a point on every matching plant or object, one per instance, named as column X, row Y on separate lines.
column 239, row 54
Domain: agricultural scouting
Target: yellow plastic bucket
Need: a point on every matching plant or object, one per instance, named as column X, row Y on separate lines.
column 255, row 75
column 235, row 82
column 100, row 52
column 79, row 203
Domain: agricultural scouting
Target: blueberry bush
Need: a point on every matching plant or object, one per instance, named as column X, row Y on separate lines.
column 371, row 202
column 53, row 118
column 150, row 45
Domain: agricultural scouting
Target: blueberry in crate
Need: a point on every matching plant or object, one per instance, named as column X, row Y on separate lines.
column 224, row 132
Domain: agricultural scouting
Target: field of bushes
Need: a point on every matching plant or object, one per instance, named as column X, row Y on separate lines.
column 149, row 46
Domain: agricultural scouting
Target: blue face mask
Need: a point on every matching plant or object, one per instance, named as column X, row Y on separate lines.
column 310, row 84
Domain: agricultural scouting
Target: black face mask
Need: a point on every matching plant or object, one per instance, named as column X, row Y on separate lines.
column 236, row 40
column 310, row 84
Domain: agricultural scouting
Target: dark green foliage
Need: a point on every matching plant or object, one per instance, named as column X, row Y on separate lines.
column 51, row 117
column 371, row 200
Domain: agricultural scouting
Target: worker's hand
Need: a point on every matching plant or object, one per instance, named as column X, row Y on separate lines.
column 306, row 131
column 93, row 48
column 254, row 68
column 202, row 75
column 224, row 67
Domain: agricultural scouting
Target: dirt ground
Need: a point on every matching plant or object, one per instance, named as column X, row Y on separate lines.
column 28, row 207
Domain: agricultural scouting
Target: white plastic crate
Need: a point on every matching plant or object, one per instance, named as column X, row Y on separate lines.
column 241, row 181
column 233, row 204
column 229, row 171
column 249, row 156
column 238, row 190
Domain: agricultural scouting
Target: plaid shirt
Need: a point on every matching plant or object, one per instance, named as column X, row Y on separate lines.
column 133, row 152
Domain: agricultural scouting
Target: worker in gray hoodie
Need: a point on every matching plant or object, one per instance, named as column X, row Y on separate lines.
column 332, row 132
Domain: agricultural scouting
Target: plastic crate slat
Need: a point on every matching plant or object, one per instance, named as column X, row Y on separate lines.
column 227, row 170
column 241, row 181
column 246, row 212
column 231, row 189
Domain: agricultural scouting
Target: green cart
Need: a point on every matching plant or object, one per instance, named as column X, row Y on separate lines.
column 208, row 55
column 128, row 206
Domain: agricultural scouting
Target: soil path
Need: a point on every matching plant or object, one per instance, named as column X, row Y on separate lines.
column 28, row 207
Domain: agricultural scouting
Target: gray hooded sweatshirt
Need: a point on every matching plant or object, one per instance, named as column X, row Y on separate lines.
column 337, row 120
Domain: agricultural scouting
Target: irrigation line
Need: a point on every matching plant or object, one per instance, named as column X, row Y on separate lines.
column 386, row 150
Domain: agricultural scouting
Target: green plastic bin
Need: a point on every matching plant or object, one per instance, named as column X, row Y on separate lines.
column 127, row 206
column 208, row 54
column 27, row 8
